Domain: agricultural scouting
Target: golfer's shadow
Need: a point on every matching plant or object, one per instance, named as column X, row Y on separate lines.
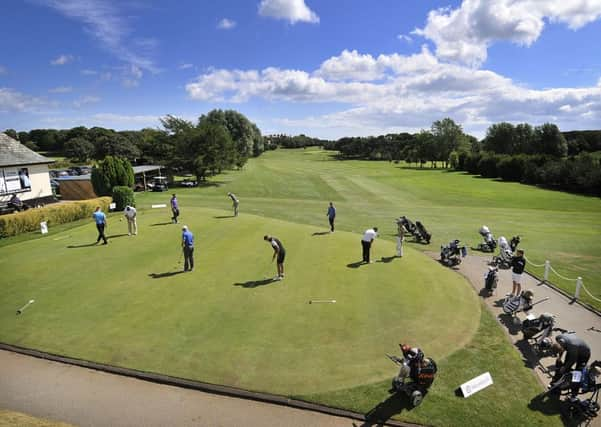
column 387, row 259
column 255, row 283
column 161, row 223
column 87, row 245
column 114, row 236
column 224, row 216
column 385, row 410
column 166, row 274
column 356, row 264
column 320, row 233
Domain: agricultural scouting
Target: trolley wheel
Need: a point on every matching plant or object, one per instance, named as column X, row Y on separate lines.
column 416, row 398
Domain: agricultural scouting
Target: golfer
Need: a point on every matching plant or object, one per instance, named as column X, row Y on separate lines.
column 577, row 352
column 100, row 219
column 235, row 202
column 132, row 224
column 331, row 216
column 188, row 248
column 518, row 263
column 280, row 252
column 174, row 209
column 368, row 237
column 400, row 238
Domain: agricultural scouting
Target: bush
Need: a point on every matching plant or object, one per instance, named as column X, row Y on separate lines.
column 59, row 213
column 471, row 163
column 487, row 166
column 123, row 196
column 111, row 172
column 511, row 168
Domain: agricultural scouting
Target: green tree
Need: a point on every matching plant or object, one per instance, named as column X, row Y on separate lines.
column 447, row 136
column 500, row 138
column 111, row 172
column 79, row 149
column 524, row 139
column 549, row 140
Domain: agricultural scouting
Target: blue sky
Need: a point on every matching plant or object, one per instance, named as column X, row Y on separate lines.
column 320, row 67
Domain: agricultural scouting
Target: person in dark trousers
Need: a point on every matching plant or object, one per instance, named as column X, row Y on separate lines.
column 577, row 352
column 235, row 202
column 100, row 219
column 188, row 248
column 518, row 263
column 366, row 242
column 331, row 216
column 174, row 209
column 278, row 251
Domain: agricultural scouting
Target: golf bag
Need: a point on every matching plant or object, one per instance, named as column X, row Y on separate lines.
column 506, row 251
column 421, row 233
column 491, row 280
column 452, row 254
column 489, row 244
column 578, row 382
column 406, row 222
column 415, row 377
column 538, row 331
column 513, row 304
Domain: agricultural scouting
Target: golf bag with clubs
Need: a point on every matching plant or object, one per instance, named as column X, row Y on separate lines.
column 421, row 234
column 416, row 374
column 514, row 304
column 506, row 251
column 491, row 279
column 578, row 382
column 452, row 254
column 489, row 244
column 407, row 224
column 538, row 331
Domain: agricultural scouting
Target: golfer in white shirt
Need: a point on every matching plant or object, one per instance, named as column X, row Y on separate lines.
column 368, row 238
column 132, row 225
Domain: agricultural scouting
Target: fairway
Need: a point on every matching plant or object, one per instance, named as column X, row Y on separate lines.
column 125, row 303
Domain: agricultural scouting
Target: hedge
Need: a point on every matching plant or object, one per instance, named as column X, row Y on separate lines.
column 123, row 196
column 58, row 213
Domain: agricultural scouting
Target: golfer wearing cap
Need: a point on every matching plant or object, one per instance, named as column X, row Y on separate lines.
column 235, row 202
column 100, row 220
column 132, row 224
column 188, row 248
column 280, row 252
column 518, row 263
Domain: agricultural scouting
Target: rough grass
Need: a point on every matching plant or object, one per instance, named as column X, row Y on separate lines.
column 11, row 418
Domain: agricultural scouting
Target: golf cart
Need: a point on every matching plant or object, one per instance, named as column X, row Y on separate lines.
column 159, row 183
column 189, row 181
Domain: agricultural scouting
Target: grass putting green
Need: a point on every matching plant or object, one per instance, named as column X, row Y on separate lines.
column 128, row 303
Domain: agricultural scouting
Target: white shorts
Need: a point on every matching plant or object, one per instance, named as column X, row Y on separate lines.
column 517, row 278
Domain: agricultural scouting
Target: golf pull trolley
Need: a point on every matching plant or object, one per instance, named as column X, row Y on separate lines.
column 414, row 378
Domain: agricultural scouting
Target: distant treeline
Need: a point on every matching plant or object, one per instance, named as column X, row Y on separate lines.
column 298, row 141
column 217, row 141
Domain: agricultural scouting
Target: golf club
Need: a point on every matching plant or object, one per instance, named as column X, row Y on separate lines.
column 19, row 311
column 325, row 301
column 592, row 328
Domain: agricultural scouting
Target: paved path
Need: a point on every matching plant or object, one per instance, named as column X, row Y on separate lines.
column 86, row 397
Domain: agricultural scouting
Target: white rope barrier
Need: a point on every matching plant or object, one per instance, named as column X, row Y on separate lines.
column 560, row 276
column 589, row 294
column 533, row 264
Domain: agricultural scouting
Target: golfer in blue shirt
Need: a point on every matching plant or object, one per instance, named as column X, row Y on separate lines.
column 331, row 216
column 100, row 219
column 188, row 248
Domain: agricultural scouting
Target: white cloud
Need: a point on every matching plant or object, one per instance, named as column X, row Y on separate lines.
column 226, row 24
column 291, row 10
column 106, row 120
column 404, row 38
column 12, row 101
column 107, row 24
column 185, row 66
column 406, row 93
column 61, row 89
column 62, row 60
column 85, row 100
column 464, row 34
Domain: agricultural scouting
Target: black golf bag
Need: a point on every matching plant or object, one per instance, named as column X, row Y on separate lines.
column 415, row 377
column 452, row 254
column 406, row 222
column 576, row 382
column 514, row 242
column 491, row 280
column 538, row 331
column 489, row 244
column 421, row 233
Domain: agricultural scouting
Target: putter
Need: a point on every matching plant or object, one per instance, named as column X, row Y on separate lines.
column 19, row 311
column 325, row 301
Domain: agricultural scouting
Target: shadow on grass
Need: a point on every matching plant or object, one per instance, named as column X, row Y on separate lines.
column 224, row 216
column 87, row 245
column 166, row 274
column 385, row 410
column 387, row 259
column 115, row 236
column 161, row 223
column 320, row 233
column 355, row 264
column 255, row 283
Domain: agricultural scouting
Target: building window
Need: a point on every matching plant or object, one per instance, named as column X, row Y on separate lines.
column 14, row 180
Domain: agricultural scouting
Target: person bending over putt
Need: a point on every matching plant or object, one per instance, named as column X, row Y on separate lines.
column 279, row 252
column 235, row 202
column 368, row 237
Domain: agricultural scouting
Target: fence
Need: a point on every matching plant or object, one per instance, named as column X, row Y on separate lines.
column 578, row 280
